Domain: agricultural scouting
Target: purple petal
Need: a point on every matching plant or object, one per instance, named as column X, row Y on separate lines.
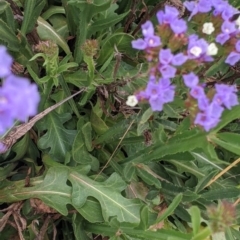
column 232, row 58
column 222, row 38
column 178, row 26
column 5, row 62
column 179, row 59
column 147, row 29
column 190, row 80
column 139, row 44
column 165, row 56
column 168, row 71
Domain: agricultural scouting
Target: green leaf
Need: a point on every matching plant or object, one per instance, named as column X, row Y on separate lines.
column 32, row 10
column 57, row 138
column 53, row 190
column 204, row 181
column 91, row 210
column 145, row 173
column 122, row 41
column 46, row 32
column 128, row 172
column 196, row 219
column 52, row 11
column 102, row 24
column 227, row 117
column 80, row 153
column 8, row 37
column 179, row 143
column 170, row 210
column 222, row 193
column 7, row 14
column 87, row 133
column 108, row 194
column 78, row 227
column 216, row 67
column 229, row 141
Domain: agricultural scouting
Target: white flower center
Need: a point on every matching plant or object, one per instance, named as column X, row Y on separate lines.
column 151, row 41
column 238, row 22
column 212, row 49
column 196, row 51
column 132, row 101
column 208, row 28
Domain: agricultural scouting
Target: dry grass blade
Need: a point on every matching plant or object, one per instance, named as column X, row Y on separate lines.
column 223, row 172
column 21, row 130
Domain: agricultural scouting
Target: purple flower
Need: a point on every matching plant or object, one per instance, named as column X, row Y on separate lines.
column 226, row 95
column 141, row 44
column 197, row 49
column 228, row 28
column 237, row 46
column 203, row 102
column 18, row 100
column 158, row 93
column 179, row 59
column 25, row 94
column 219, row 6
column 147, row 29
column 5, row 62
column 222, row 38
column 232, row 58
column 178, row 26
column 191, row 80
column 197, row 92
column 210, row 117
column 166, row 58
column 150, row 40
column 7, row 109
column 228, row 12
column 202, row 6
column 168, row 71
column 170, row 14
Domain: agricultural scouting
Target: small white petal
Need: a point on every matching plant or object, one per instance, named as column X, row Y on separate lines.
column 196, row 51
column 208, row 28
column 212, row 49
column 238, row 22
column 132, row 101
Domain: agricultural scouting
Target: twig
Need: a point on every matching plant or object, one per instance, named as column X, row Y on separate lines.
column 223, row 172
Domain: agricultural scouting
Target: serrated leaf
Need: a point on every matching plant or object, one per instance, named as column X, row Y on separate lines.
column 8, row 37
column 57, row 138
column 108, row 194
column 32, row 10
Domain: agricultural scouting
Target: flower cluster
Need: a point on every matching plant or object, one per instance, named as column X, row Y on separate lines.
column 210, row 111
column 172, row 52
column 18, row 97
